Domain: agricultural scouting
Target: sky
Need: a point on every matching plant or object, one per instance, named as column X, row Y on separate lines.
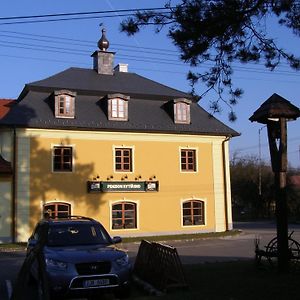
column 34, row 51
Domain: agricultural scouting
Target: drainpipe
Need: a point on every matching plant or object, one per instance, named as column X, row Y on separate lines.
column 225, row 180
column 14, row 187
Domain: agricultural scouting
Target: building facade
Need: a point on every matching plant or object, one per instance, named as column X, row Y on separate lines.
column 141, row 157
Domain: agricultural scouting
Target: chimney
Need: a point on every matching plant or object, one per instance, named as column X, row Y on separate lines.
column 121, row 68
column 103, row 59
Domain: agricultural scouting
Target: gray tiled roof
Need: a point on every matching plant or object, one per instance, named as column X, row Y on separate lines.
column 146, row 105
column 88, row 81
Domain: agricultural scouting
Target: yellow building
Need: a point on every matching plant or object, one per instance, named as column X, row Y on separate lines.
column 141, row 157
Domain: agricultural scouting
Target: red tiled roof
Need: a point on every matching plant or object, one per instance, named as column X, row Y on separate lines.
column 5, row 167
column 5, row 105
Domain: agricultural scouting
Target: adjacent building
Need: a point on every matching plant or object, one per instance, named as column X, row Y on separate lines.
column 141, row 157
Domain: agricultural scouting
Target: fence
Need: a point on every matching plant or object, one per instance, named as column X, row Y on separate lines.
column 160, row 266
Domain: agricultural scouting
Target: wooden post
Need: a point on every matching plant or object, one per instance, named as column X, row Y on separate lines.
column 277, row 130
column 275, row 112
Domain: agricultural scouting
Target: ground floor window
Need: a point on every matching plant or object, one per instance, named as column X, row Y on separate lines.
column 57, row 209
column 193, row 212
column 124, row 215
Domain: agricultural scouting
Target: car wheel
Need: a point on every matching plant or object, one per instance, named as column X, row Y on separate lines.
column 123, row 292
column 30, row 280
column 40, row 292
column 95, row 297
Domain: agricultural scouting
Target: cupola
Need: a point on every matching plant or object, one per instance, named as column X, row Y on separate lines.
column 103, row 59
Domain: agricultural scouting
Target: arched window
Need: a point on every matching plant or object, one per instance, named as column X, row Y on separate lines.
column 124, row 215
column 57, row 209
column 193, row 213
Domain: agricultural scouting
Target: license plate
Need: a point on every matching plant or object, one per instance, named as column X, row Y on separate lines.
column 95, row 282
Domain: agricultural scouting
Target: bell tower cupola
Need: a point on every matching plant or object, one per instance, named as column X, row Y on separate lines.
column 103, row 59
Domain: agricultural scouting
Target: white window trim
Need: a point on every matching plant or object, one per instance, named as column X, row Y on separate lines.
column 110, row 109
column 205, row 212
column 132, row 158
column 42, row 203
column 136, row 202
column 188, row 113
column 196, row 157
column 73, row 158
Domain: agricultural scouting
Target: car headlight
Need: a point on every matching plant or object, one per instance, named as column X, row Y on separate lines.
column 123, row 261
column 56, row 264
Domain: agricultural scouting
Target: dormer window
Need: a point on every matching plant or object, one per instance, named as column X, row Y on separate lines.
column 182, row 111
column 118, row 107
column 64, row 104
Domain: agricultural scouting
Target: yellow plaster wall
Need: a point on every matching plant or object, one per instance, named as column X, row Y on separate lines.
column 154, row 154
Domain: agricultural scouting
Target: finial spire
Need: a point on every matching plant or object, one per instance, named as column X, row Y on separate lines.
column 103, row 60
column 103, row 43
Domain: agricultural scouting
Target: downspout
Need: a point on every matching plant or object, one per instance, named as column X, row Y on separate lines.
column 14, row 188
column 225, row 181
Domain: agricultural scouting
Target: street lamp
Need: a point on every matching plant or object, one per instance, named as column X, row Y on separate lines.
column 275, row 112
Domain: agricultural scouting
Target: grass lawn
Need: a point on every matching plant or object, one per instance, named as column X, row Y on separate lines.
column 158, row 238
column 180, row 237
column 232, row 281
column 10, row 247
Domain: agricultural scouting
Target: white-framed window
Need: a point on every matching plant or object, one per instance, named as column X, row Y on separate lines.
column 124, row 215
column 64, row 104
column 117, row 107
column 188, row 160
column 182, row 114
column 56, row 209
column 123, row 159
column 193, row 212
column 62, row 158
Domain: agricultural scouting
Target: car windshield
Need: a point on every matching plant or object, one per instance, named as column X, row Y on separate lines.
column 77, row 234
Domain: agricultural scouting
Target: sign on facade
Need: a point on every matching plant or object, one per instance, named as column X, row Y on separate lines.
column 122, row 186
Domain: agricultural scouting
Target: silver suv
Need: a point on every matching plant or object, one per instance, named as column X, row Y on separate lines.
column 80, row 258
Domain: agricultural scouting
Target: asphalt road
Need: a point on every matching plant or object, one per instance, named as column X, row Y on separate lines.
column 237, row 247
column 230, row 248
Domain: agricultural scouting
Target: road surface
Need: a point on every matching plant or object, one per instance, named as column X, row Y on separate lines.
column 230, row 248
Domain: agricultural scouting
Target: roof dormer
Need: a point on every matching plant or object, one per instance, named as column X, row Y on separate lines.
column 64, row 103
column 117, row 107
column 181, row 110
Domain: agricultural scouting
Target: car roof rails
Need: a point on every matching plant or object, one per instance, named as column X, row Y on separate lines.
column 71, row 217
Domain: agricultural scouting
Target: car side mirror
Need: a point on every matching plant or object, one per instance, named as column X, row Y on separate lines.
column 31, row 243
column 116, row 239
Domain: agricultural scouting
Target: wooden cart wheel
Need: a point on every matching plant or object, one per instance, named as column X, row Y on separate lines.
column 271, row 252
column 294, row 253
column 293, row 248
